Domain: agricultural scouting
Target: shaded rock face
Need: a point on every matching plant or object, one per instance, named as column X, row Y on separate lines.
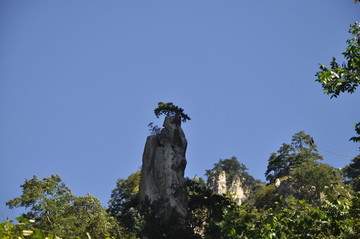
column 162, row 174
column 218, row 184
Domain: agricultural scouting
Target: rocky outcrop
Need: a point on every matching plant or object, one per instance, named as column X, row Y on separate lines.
column 162, row 174
column 284, row 187
column 237, row 191
column 218, row 184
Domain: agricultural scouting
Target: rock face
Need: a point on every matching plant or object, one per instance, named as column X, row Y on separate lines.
column 218, row 184
column 162, row 174
column 237, row 191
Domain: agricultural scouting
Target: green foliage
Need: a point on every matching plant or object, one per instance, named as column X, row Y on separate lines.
column 58, row 212
column 266, row 197
column 302, row 149
column 352, row 173
column 23, row 229
column 357, row 129
column 126, row 189
column 355, row 212
column 256, row 186
column 124, row 202
column 154, row 129
column 210, row 215
column 206, row 210
column 170, row 109
column 343, row 77
column 47, row 199
column 294, row 219
column 299, row 173
column 310, row 180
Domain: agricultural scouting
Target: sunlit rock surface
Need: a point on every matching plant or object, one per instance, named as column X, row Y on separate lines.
column 218, row 184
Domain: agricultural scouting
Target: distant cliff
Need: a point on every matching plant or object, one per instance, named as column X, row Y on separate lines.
column 219, row 183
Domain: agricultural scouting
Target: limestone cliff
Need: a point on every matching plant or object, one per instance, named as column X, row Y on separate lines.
column 219, row 184
column 162, row 174
column 237, row 190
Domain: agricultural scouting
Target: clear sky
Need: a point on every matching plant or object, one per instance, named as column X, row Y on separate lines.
column 79, row 81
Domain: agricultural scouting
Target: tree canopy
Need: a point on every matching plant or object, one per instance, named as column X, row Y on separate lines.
column 56, row 210
column 124, row 203
column 310, row 180
column 302, row 149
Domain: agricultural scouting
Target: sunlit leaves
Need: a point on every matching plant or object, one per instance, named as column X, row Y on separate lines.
column 58, row 212
column 345, row 77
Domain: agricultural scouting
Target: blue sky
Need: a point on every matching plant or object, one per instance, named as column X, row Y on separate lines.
column 79, row 81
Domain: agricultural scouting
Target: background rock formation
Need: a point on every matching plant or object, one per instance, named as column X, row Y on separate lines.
column 163, row 169
column 219, row 184
column 237, row 191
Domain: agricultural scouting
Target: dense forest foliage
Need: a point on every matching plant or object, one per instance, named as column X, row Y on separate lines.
column 302, row 198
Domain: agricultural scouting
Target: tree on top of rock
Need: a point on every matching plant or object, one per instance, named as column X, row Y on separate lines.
column 169, row 109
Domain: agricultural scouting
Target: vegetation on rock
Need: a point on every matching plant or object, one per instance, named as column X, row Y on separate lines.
column 169, row 109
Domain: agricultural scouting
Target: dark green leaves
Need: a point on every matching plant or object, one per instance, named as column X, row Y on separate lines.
column 169, row 109
column 352, row 173
column 357, row 129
